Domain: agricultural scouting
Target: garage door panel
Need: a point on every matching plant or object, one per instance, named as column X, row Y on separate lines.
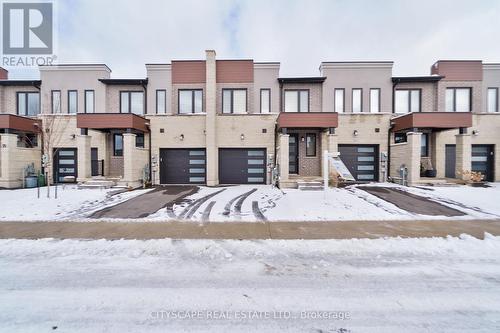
column 242, row 166
column 182, row 166
column 361, row 160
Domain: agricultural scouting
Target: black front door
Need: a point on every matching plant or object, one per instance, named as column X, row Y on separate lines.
column 242, row 166
column 450, row 161
column 293, row 154
column 94, row 162
column 182, row 166
column 482, row 161
column 65, row 164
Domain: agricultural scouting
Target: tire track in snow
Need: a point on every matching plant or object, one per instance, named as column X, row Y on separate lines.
column 189, row 211
column 227, row 207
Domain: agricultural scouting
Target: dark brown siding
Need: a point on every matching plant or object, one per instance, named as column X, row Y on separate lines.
column 4, row 74
column 308, row 120
column 111, row 121
column 188, row 71
column 24, row 124
column 459, row 70
column 234, row 71
column 443, row 120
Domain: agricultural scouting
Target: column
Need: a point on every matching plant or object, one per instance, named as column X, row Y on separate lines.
column 283, row 156
column 8, row 144
column 211, row 120
column 84, row 159
column 128, row 157
column 463, row 154
column 413, row 165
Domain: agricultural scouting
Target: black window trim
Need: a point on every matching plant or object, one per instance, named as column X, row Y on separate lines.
column 140, row 135
column 69, row 92
column 114, row 144
column 427, row 136
column 455, row 98
column 497, row 99
column 315, row 143
column 25, row 93
column 361, row 100
column 129, row 93
column 269, row 90
column 85, row 100
column 157, row 99
column 298, row 99
column 379, row 99
column 232, row 90
column 410, row 90
column 192, row 100
column 52, row 101
column 335, row 99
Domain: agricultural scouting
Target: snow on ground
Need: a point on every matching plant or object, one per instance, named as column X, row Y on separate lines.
column 24, row 204
column 382, row 285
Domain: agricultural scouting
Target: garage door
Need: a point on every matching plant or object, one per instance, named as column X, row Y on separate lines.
column 182, row 166
column 65, row 163
column 482, row 160
column 361, row 160
column 242, row 166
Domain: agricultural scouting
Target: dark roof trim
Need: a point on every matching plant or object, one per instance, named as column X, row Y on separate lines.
column 139, row 82
column 403, row 79
column 317, row 79
column 358, row 62
column 35, row 83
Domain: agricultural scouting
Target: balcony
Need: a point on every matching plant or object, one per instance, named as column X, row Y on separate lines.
column 308, row 120
column 108, row 121
column 18, row 123
column 433, row 120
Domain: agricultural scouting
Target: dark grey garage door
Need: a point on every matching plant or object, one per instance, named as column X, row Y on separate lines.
column 482, row 161
column 450, row 161
column 182, row 166
column 65, row 164
column 242, row 166
column 361, row 160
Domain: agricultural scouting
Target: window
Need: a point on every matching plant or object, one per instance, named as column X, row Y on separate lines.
column 400, row 137
column 190, row 101
column 234, row 100
column 161, row 101
column 132, row 102
column 339, row 95
column 117, row 145
column 265, row 101
column 458, row 99
column 28, row 103
column 424, row 145
column 56, row 101
column 72, row 101
column 139, row 140
column 28, row 140
column 89, row 101
column 310, row 144
column 407, row 100
column 492, row 99
column 357, row 103
column 296, row 100
column 375, row 100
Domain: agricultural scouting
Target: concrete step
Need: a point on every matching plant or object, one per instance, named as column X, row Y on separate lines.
column 310, row 185
column 311, row 188
column 97, row 183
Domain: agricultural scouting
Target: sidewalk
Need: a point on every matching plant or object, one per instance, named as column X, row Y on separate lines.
column 249, row 230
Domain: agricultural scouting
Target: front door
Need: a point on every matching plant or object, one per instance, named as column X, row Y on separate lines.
column 482, row 161
column 450, row 161
column 293, row 154
column 65, row 164
column 94, row 162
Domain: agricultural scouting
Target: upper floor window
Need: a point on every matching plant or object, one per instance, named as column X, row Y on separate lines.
column 265, row 100
column 190, row 101
column 407, row 100
column 357, row 103
column 492, row 99
column 234, row 100
column 89, row 101
column 375, row 100
column 72, row 101
column 161, row 101
column 339, row 95
column 296, row 100
column 458, row 99
column 132, row 102
column 28, row 103
column 56, row 101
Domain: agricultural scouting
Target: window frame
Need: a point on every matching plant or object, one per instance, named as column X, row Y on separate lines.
column 114, row 145
column 455, row 98
column 140, row 135
column 129, row 93
column 315, row 143
column 85, row 100
column 52, row 101
column 379, row 97
column 335, row 99
column 232, row 90
column 426, row 135
column 157, row 100
column 76, row 100
column 192, row 101
column 488, row 99
column 360, row 100
column 26, row 93
column 269, row 99
column 409, row 91
column 298, row 100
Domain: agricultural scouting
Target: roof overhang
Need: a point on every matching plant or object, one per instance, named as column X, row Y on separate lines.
column 19, row 123
column 419, row 79
column 32, row 83
column 432, row 120
column 308, row 120
column 317, row 79
column 125, row 82
column 108, row 121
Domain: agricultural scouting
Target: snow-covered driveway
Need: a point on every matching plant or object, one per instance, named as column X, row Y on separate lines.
column 383, row 285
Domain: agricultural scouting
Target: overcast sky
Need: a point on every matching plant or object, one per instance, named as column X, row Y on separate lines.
column 126, row 34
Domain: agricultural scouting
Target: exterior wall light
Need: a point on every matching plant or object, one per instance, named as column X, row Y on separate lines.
column 355, row 133
column 181, row 137
column 242, row 136
column 475, row 132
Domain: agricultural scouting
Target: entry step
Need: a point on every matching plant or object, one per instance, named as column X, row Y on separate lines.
column 310, row 185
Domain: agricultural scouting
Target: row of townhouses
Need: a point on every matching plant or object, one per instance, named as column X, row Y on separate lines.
column 235, row 121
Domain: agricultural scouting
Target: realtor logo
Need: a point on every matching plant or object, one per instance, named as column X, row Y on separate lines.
column 27, row 28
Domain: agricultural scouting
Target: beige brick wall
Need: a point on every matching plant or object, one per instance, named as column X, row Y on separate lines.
column 8, row 97
column 113, row 96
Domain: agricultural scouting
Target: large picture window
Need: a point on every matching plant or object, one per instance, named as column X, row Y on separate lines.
column 132, row 102
column 28, row 103
column 190, row 101
column 458, row 99
column 407, row 100
column 234, row 100
column 296, row 100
